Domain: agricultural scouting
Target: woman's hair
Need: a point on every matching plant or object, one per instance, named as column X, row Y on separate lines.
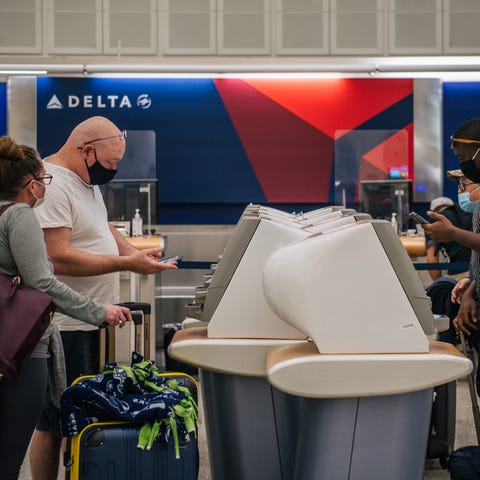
column 18, row 163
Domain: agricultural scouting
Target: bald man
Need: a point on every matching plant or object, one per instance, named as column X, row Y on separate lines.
column 87, row 254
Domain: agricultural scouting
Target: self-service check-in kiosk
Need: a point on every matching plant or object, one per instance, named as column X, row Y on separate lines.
column 252, row 428
column 257, row 417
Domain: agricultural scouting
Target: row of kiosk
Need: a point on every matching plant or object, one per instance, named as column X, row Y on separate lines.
column 312, row 335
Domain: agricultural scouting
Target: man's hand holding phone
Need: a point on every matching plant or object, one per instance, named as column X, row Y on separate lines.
column 440, row 229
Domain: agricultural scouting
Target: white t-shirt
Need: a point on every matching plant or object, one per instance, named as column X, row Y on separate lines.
column 71, row 203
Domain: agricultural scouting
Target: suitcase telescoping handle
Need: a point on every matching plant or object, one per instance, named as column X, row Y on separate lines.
column 140, row 313
column 146, row 309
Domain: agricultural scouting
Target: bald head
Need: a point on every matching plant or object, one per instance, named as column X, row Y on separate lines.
column 90, row 129
column 95, row 140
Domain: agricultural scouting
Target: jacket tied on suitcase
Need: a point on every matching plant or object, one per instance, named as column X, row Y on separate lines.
column 137, row 393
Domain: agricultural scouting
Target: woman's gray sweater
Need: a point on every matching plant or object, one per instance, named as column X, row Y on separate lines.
column 23, row 251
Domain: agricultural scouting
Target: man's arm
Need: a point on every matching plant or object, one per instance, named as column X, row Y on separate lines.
column 124, row 247
column 442, row 230
column 467, row 238
column 77, row 263
column 70, row 261
column 432, row 257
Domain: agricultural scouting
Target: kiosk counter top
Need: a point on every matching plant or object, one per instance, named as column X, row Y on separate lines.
column 291, row 369
column 414, row 245
column 143, row 243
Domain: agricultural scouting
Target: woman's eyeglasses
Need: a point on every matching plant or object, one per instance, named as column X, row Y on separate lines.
column 47, row 180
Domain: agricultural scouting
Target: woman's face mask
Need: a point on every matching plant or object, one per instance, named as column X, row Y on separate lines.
column 465, row 202
column 39, row 200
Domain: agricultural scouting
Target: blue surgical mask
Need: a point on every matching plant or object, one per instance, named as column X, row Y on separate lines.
column 465, row 203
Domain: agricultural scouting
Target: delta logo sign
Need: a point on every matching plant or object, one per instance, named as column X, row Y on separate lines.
column 143, row 101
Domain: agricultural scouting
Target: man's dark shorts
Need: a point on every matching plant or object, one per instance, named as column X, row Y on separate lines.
column 81, row 358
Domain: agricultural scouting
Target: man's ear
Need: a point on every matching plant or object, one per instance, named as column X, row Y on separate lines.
column 85, row 150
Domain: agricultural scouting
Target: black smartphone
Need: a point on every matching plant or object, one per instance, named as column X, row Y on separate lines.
column 418, row 218
column 176, row 258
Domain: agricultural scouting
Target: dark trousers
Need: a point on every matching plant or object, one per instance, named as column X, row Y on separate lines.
column 81, row 358
column 20, row 405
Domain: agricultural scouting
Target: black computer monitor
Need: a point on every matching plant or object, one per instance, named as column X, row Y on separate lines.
column 381, row 198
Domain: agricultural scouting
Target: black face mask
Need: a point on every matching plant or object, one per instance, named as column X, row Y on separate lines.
column 99, row 175
column 470, row 171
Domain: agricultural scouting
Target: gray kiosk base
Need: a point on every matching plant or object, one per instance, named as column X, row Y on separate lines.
column 252, row 429
column 256, row 432
column 374, row 438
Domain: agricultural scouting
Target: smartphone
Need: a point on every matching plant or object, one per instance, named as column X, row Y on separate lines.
column 418, row 218
column 176, row 258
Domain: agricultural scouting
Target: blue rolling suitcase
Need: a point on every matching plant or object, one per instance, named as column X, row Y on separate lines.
column 108, row 450
column 104, row 450
column 101, row 446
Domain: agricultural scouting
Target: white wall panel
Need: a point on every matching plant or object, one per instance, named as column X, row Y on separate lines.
column 189, row 27
column 461, row 26
column 244, row 28
column 357, row 27
column 415, row 26
column 130, row 27
column 302, row 27
column 20, row 26
column 74, row 27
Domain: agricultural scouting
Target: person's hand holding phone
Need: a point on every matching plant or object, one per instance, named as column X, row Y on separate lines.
column 441, row 229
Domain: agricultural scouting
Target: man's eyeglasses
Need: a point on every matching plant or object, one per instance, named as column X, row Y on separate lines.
column 122, row 136
column 47, row 180
column 462, row 140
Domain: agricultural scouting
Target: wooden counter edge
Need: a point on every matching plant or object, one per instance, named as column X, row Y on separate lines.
column 308, row 349
column 142, row 243
column 193, row 333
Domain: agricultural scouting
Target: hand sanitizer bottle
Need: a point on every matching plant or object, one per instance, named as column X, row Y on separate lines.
column 393, row 221
column 137, row 224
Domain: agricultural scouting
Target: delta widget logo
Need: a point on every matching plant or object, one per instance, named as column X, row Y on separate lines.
column 144, row 101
